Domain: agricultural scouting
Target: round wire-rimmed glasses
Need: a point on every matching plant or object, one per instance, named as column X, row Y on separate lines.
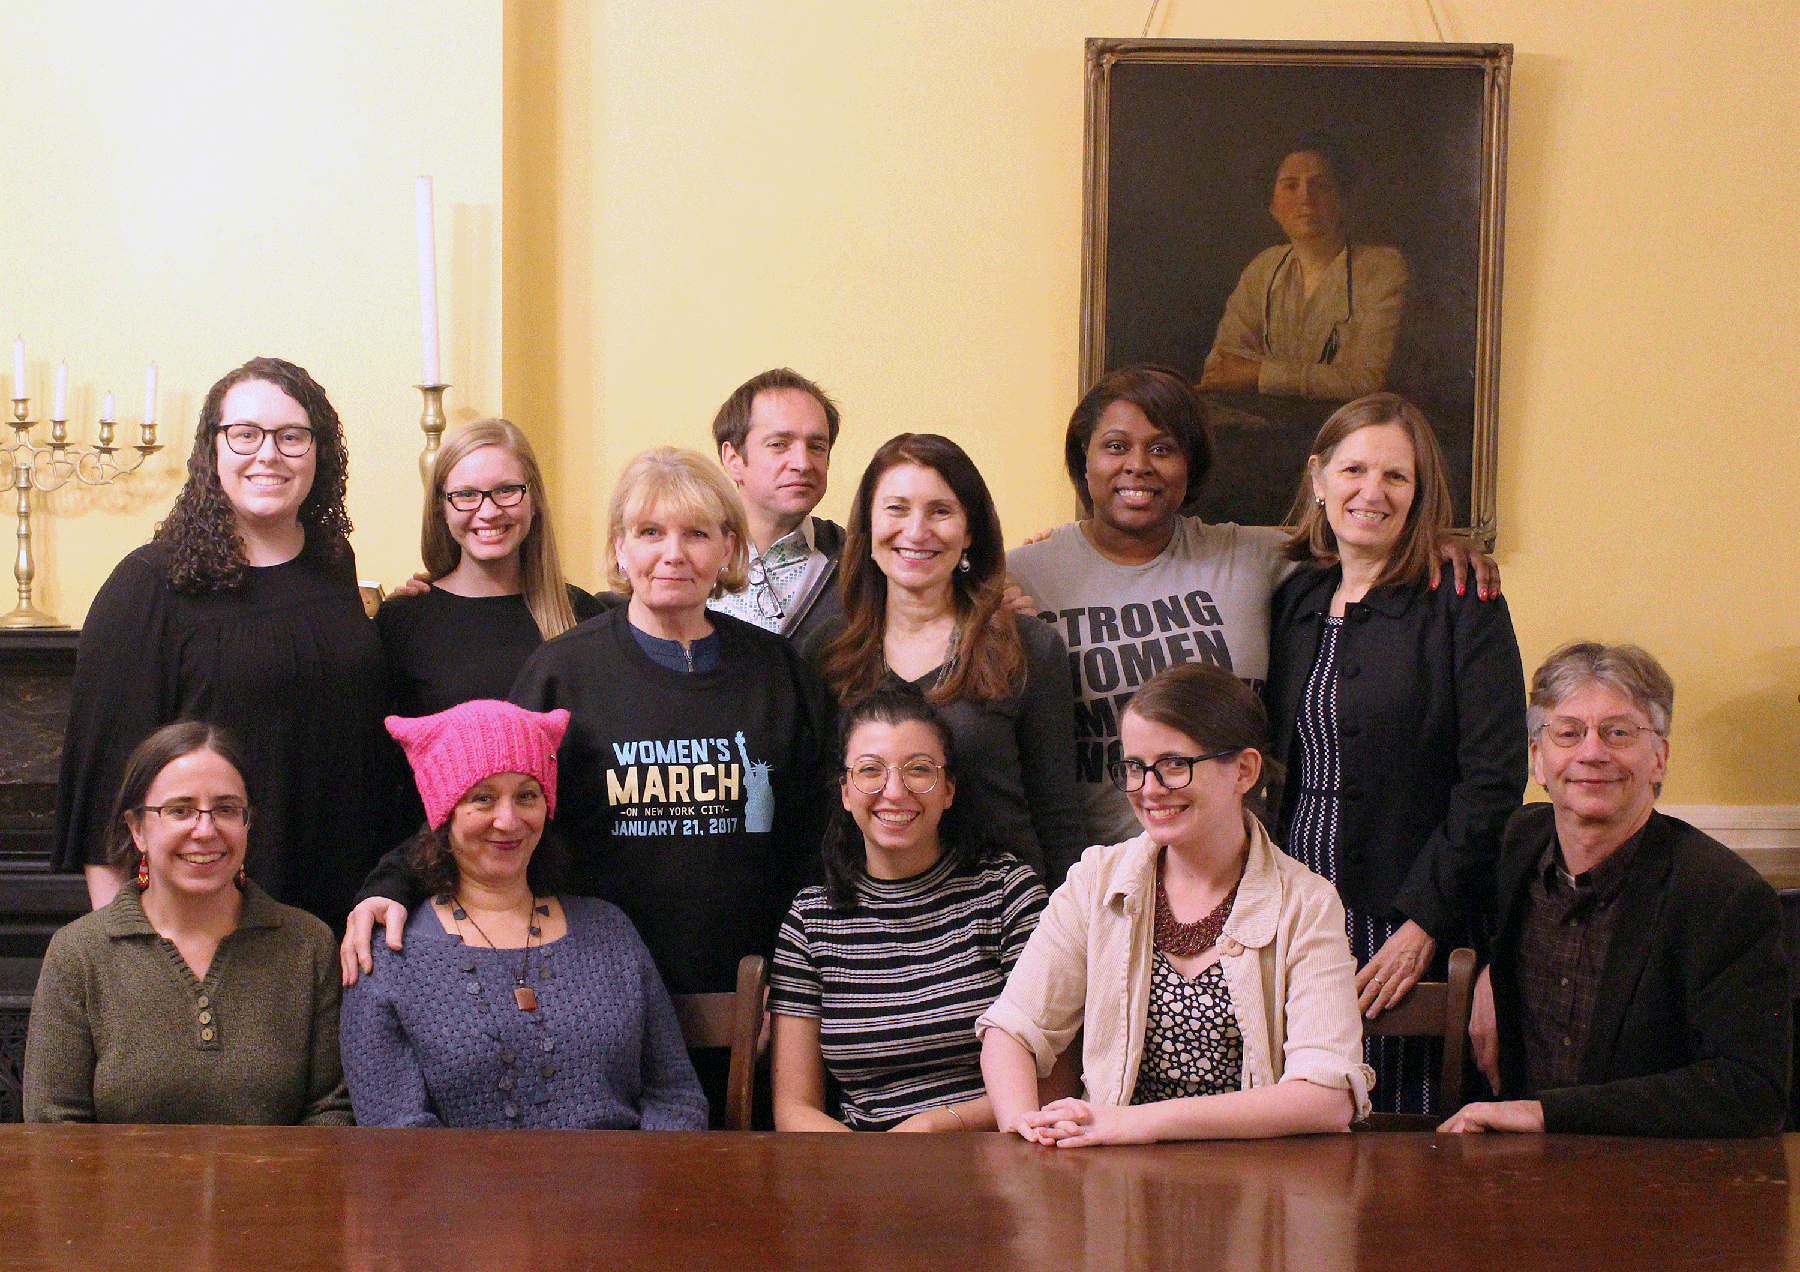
column 918, row 775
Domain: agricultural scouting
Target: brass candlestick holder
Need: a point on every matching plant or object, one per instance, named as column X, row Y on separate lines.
column 28, row 467
column 431, row 419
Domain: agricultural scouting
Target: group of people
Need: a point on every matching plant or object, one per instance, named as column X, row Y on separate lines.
column 1203, row 797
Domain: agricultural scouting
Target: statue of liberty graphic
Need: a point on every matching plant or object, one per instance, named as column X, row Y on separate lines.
column 759, row 795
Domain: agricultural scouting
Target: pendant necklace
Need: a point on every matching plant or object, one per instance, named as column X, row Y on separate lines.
column 523, row 995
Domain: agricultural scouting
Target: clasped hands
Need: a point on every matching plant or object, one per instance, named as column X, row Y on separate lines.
column 1073, row 1123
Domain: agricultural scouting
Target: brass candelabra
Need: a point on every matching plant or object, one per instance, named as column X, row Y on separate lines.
column 26, row 466
column 432, row 421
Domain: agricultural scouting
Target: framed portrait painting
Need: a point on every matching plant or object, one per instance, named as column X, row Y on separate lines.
column 1292, row 226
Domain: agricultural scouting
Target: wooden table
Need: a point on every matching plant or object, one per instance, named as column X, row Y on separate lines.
column 192, row 1198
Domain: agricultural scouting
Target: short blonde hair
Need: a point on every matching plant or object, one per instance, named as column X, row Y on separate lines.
column 686, row 483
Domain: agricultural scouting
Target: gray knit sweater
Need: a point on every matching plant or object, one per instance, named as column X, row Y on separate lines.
column 432, row 1036
column 123, row 1031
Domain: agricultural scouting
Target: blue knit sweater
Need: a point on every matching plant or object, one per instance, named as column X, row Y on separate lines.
column 432, row 1036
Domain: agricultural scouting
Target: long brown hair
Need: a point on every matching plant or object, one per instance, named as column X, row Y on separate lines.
column 987, row 657
column 1427, row 521
column 205, row 552
column 540, row 569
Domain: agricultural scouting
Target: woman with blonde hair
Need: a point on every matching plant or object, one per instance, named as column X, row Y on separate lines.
column 496, row 589
column 692, row 766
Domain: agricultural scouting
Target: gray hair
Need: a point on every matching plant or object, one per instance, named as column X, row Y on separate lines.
column 1631, row 670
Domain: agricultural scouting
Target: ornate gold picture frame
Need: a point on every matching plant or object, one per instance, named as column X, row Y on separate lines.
column 1214, row 170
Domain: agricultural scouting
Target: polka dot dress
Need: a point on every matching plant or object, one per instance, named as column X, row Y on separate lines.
column 1191, row 1041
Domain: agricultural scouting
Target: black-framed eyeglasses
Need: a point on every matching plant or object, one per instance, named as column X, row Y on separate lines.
column 291, row 440
column 182, row 814
column 1173, row 771
column 1617, row 733
column 918, row 775
column 468, row 499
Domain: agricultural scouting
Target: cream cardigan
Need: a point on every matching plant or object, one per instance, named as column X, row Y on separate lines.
column 1283, row 951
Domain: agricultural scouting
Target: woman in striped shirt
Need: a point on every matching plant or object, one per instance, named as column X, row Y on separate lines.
column 880, row 974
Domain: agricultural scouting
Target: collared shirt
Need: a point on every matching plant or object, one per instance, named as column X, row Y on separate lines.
column 779, row 579
column 1567, row 929
column 1087, row 970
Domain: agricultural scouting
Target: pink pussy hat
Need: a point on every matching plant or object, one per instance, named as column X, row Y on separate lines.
column 452, row 750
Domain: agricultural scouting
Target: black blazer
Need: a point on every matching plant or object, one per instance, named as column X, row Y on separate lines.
column 1431, row 741
column 1692, row 1030
column 827, row 600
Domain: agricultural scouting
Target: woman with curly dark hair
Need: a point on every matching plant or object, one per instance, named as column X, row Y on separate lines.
column 924, row 569
column 243, row 611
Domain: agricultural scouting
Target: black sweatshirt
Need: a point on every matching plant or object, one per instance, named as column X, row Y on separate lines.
column 694, row 802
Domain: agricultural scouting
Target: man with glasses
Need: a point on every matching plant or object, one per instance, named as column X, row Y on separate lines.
column 775, row 435
column 1638, row 983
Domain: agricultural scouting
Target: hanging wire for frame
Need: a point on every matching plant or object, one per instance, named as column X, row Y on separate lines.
column 1151, row 16
column 1436, row 25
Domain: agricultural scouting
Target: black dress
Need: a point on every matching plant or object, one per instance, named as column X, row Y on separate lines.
column 443, row 649
column 288, row 663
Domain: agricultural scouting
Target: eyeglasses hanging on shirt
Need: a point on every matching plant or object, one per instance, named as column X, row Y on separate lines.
column 1329, row 353
column 768, row 604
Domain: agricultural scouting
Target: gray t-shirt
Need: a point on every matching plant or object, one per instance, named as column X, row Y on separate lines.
column 1205, row 598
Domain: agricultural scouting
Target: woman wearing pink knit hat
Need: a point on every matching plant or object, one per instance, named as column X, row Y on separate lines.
column 509, row 1006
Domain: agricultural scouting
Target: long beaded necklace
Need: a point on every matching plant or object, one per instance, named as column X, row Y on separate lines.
column 523, row 995
column 1187, row 939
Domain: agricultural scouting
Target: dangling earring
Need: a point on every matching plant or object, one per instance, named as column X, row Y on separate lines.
column 143, row 871
column 240, row 879
column 963, row 565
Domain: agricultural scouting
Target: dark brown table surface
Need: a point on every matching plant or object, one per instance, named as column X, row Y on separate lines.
column 189, row 1198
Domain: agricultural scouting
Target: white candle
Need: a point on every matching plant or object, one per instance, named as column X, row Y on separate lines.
column 19, row 367
column 428, row 305
column 150, row 394
column 62, row 392
column 106, row 410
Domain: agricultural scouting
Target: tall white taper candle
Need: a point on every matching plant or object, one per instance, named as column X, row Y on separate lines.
column 428, row 305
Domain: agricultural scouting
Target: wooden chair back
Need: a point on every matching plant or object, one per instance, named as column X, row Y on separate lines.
column 1434, row 1009
column 730, row 1020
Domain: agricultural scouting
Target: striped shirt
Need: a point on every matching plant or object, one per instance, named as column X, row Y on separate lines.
column 897, row 984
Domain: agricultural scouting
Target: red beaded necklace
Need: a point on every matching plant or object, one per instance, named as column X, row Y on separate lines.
column 1184, row 940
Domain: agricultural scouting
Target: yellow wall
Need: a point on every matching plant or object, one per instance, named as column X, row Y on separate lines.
column 888, row 197
column 198, row 184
